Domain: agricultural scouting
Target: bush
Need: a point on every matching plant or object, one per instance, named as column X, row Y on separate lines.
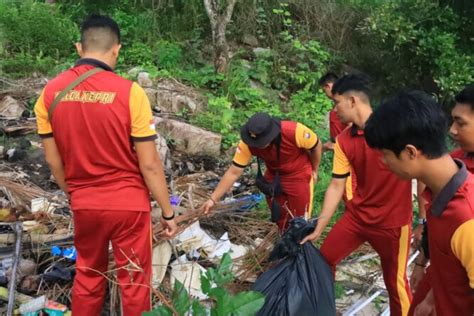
column 138, row 54
column 168, row 55
column 36, row 29
column 419, row 37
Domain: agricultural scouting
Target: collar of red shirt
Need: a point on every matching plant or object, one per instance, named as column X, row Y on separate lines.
column 93, row 62
column 356, row 131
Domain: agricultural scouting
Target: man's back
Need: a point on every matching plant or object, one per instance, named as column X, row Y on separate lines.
column 93, row 127
column 381, row 198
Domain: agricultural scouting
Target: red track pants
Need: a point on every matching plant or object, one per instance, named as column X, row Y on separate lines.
column 297, row 199
column 130, row 235
column 392, row 245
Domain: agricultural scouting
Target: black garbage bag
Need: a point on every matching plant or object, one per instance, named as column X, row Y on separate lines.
column 59, row 274
column 302, row 282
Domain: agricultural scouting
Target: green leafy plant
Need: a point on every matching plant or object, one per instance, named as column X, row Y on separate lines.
column 218, row 107
column 169, row 54
column 34, row 37
column 213, row 284
column 421, row 38
column 300, row 63
column 138, row 54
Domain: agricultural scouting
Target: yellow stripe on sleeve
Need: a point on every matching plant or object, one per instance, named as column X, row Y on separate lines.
column 42, row 120
column 462, row 246
column 341, row 166
column 242, row 155
column 305, row 137
column 140, row 111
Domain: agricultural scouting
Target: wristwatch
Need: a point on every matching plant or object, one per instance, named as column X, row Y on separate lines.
column 421, row 221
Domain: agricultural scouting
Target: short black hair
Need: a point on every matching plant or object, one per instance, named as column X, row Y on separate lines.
column 327, row 78
column 99, row 33
column 353, row 82
column 466, row 96
column 409, row 118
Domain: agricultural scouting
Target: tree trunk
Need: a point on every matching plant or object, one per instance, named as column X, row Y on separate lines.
column 219, row 20
column 50, row 1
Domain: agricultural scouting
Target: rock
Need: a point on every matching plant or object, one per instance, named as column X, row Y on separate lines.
column 250, row 40
column 133, row 73
column 144, row 80
column 173, row 96
column 262, row 52
column 11, row 108
column 152, row 95
column 164, row 151
column 189, row 139
column 26, row 267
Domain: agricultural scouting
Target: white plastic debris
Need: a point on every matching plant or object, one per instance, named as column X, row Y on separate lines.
column 223, row 246
column 189, row 274
column 194, row 237
column 237, row 251
column 39, row 204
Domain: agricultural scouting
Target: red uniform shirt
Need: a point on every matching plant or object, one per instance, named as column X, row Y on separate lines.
column 296, row 140
column 94, row 127
column 450, row 220
column 335, row 125
column 381, row 198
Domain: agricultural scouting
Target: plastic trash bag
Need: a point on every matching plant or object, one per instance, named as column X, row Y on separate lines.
column 302, row 282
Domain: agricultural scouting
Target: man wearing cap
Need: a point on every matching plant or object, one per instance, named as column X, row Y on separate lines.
column 291, row 152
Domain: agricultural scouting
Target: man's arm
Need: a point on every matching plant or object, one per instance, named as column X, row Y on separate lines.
column 315, row 157
column 152, row 170
column 331, row 201
column 227, row 181
column 55, row 162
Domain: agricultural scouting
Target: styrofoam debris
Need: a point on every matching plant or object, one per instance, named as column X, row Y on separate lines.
column 160, row 258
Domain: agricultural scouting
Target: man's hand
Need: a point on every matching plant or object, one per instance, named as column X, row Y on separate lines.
column 314, row 236
column 416, row 277
column 207, row 206
column 427, row 306
column 170, row 227
column 315, row 176
column 328, row 146
column 417, row 235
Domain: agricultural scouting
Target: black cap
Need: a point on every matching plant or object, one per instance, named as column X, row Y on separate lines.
column 260, row 130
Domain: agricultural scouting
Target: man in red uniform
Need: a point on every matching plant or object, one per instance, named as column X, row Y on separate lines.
column 381, row 208
column 335, row 125
column 99, row 144
column 462, row 131
column 410, row 130
column 291, row 153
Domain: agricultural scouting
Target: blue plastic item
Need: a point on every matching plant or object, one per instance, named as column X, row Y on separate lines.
column 70, row 253
column 246, row 202
column 175, row 200
column 56, row 251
